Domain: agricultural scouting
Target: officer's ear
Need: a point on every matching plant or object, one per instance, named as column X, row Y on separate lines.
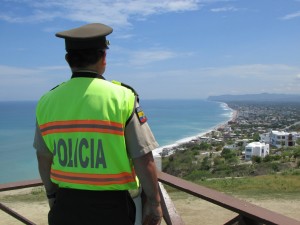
column 67, row 58
column 103, row 59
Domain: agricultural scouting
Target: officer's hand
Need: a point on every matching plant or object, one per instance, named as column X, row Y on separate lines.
column 51, row 202
column 152, row 213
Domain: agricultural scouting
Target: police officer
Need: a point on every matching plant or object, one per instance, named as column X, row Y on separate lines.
column 92, row 139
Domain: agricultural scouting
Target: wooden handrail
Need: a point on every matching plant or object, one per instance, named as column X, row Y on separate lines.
column 15, row 186
column 16, row 215
column 170, row 215
column 248, row 213
column 20, row 185
column 246, row 210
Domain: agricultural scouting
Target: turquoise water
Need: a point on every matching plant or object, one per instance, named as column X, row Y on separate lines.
column 17, row 157
column 173, row 120
column 170, row 121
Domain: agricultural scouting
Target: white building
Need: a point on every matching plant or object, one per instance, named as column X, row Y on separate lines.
column 238, row 144
column 282, row 138
column 265, row 137
column 257, row 149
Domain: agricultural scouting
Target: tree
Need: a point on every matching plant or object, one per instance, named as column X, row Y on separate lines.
column 204, row 146
column 268, row 158
column 218, row 148
column 296, row 152
column 256, row 137
column 256, row 159
column 205, row 164
column 218, row 161
column 227, row 153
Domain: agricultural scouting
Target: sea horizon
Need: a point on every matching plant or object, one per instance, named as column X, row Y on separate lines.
column 172, row 122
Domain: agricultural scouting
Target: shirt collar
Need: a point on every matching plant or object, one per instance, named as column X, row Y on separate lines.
column 86, row 74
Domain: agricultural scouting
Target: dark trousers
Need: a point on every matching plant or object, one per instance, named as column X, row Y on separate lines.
column 81, row 207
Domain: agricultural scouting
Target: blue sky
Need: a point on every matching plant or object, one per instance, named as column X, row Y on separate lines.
column 180, row 49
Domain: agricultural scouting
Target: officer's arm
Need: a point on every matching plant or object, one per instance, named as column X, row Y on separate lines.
column 44, row 164
column 146, row 171
column 44, row 158
column 139, row 143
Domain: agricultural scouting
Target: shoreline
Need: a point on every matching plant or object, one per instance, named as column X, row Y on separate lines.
column 170, row 147
column 227, row 112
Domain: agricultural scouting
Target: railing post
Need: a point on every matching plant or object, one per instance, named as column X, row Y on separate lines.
column 157, row 160
column 248, row 211
column 15, row 215
column 242, row 220
column 170, row 215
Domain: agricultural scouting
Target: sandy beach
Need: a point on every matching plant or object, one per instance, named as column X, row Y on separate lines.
column 191, row 209
column 169, row 148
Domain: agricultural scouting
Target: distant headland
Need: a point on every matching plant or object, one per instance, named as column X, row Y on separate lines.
column 263, row 97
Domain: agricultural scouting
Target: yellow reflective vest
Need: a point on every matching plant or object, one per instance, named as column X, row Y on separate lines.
column 82, row 123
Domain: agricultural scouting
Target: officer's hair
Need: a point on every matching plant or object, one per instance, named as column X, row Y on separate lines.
column 83, row 58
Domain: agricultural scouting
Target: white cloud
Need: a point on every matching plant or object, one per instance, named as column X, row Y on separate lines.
column 202, row 82
column 263, row 71
column 291, row 16
column 20, row 76
column 149, row 56
column 111, row 12
column 224, row 9
column 29, row 83
column 9, row 71
column 252, row 78
column 52, row 68
column 6, row 71
column 125, row 36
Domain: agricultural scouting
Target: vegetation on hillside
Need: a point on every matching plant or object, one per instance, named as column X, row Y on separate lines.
column 276, row 175
column 196, row 162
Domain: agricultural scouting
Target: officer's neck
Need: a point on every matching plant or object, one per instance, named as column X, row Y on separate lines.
column 91, row 69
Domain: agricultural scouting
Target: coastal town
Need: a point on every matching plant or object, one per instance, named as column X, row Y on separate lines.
column 257, row 131
column 277, row 124
column 255, row 157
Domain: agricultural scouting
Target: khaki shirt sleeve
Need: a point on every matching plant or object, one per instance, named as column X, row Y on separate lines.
column 39, row 143
column 139, row 138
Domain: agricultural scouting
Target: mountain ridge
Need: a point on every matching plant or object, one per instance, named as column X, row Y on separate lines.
column 262, row 97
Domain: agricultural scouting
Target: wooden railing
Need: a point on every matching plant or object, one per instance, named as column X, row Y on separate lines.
column 247, row 212
column 15, row 186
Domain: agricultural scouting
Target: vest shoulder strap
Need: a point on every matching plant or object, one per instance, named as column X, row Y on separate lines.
column 127, row 86
column 57, row 86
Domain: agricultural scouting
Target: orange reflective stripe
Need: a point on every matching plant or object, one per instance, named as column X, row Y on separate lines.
column 68, row 122
column 92, row 179
column 52, row 131
column 99, row 126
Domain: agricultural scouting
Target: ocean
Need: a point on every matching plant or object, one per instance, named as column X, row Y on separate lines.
column 171, row 121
